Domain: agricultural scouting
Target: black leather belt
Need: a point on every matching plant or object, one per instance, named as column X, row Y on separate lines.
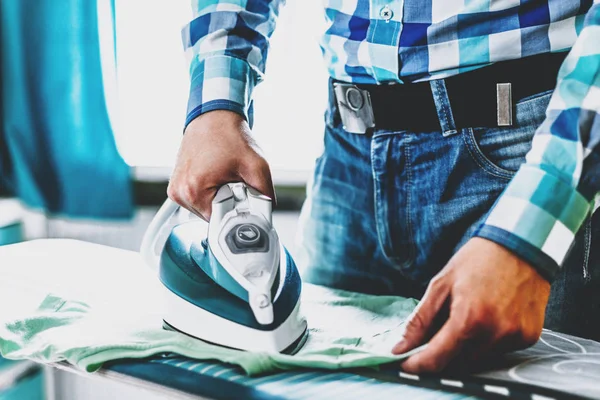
column 481, row 98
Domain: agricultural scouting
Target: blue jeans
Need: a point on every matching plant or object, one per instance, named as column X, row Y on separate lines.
column 385, row 212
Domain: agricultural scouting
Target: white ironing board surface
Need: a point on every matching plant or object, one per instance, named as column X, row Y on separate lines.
column 81, row 270
column 72, row 269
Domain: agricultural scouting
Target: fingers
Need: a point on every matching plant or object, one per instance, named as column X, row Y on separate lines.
column 201, row 205
column 425, row 316
column 197, row 193
column 474, row 334
column 442, row 348
column 196, row 201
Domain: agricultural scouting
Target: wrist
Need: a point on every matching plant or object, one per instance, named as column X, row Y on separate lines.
column 216, row 120
column 529, row 270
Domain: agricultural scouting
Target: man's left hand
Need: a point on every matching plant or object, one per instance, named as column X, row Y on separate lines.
column 496, row 303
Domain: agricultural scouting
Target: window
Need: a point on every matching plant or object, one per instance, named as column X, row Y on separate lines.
column 152, row 87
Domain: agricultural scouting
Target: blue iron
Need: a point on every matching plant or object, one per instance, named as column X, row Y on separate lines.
column 233, row 284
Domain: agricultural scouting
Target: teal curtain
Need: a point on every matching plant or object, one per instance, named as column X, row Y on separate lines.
column 57, row 148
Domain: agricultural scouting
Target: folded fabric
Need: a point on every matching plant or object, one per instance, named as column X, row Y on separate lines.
column 346, row 330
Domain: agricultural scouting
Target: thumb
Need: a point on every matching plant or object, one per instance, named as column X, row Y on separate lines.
column 258, row 176
column 424, row 317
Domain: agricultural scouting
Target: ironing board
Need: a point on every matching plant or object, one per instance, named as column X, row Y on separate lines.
column 215, row 381
column 219, row 381
column 558, row 366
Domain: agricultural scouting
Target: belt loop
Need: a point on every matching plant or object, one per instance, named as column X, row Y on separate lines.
column 442, row 105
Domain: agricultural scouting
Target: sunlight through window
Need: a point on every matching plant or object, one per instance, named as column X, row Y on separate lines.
column 152, row 81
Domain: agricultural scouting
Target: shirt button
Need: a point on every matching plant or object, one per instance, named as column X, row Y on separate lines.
column 386, row 13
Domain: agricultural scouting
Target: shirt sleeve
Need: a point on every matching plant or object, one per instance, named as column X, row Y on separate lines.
column 227, row 44
column 554, row 191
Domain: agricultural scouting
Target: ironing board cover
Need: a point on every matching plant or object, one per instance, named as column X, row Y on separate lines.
column 557, row 367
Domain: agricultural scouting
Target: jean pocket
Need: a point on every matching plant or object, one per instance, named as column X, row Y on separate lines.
column 501, row 151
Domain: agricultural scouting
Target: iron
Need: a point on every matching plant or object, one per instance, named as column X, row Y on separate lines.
column 232, row 283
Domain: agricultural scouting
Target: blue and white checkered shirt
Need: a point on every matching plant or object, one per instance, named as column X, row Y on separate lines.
column 404, row 41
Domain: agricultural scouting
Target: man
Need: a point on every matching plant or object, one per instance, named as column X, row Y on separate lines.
column 424, row 183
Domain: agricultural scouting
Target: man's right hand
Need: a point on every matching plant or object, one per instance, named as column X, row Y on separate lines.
column 216, row 149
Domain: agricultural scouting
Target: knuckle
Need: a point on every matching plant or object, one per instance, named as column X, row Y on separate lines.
column 188, row 192
column 416, row 323
column 435, row 284
column 172, row 193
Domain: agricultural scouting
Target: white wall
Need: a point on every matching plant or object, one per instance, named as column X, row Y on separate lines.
column 153, row 85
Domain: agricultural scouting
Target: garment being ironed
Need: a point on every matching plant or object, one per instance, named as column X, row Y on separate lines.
column 404, row 41
column 89, row 304
column 346, row 330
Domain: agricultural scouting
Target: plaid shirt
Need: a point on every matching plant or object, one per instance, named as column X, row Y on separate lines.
column 403, row 41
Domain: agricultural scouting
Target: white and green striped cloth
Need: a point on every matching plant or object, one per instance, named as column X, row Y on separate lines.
column 88, row 304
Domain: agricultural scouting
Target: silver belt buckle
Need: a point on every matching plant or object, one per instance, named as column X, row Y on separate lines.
column 354, row 105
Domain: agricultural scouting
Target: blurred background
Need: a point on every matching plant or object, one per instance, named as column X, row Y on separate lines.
column 153, row 86
column 93, row 104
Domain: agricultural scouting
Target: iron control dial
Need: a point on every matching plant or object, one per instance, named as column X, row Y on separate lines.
column 246, row 238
